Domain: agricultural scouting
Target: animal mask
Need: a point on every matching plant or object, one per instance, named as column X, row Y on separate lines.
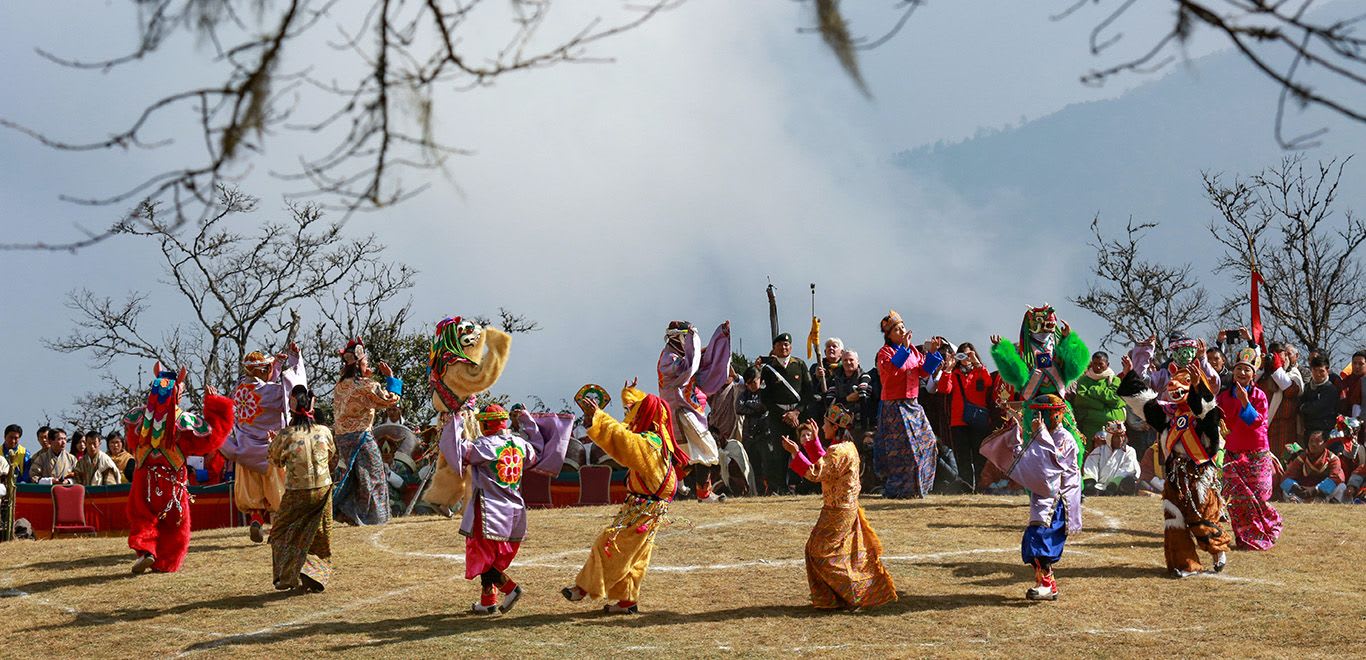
column 453, row 343
column 1041, row 320
column 465, row 359
column 1178, row 387
column 164, row 394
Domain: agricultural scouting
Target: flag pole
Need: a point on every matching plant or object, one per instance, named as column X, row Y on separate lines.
column 772, row 309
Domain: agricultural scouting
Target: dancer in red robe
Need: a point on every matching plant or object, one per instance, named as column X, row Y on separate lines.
column 161, row 435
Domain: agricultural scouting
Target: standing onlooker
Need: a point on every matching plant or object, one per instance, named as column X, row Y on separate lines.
column 14, row 453
column 939, row 412
column 787, row 386
column 822, row 371
column 853, row 390
column 765, row 459
column 54, row 464
column 1096, row 402
column 1353, row 394
column 1282, row 383
column 1219, row 363
column 1319, row 401
column 967, row 384
column 94, row 467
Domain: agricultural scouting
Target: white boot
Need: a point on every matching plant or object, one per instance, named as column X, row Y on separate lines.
column 1220, row 561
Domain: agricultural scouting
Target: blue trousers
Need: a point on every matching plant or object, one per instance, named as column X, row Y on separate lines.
column 1045, row 543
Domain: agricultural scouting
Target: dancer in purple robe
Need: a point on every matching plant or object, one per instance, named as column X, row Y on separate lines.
column 688, row 374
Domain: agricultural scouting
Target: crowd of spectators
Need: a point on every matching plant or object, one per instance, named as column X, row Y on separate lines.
column 80, row 460
column 1315, row 428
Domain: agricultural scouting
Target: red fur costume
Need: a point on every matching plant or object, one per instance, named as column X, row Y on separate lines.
column 160, row 436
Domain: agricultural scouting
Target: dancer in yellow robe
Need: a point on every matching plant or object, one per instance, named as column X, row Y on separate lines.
column 621, row 553
column 843, row 555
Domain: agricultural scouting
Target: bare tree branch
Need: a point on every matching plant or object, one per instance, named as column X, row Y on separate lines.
column 374, row 127
column 1283, row 222
column 241, row 288
column 1140, row 298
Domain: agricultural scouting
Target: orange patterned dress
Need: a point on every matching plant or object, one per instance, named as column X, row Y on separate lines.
column 843, row 556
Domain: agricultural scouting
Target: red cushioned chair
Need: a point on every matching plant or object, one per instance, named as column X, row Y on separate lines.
column 68, row 510
column 595, row 484
column 536, row 489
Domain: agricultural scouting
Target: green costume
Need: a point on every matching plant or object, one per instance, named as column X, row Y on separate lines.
column 1045, row 362
column 1096, row 403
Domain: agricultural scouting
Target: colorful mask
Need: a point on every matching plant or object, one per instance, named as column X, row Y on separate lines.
column 257, row 365
column 453, row 337
column 1041, row 320
column 1178, row 387
column 1182, row 350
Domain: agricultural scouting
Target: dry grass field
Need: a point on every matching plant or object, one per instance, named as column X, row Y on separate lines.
column 727, row 580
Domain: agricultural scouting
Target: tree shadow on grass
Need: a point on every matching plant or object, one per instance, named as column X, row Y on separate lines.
column 1004, row 574
column 905, row 603
column 115, row 559
column 132, row 614
column 43, row 586
column 451, row 624
column 1142, row 533
column 396, row 630
column 934, row 503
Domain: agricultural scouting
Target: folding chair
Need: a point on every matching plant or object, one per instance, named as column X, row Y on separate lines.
column 595, row 484
column 68, row 510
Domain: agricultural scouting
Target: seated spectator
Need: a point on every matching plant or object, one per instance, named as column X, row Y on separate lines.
column 1315, row 475
column 1152, row 474
column 54, row 464
column 119, row 454
column 94, row 467
column 1343, row 441
column 400, row 469
column 1111, row 468
column 41, row 437
column 1354, row 484
column 77, row 447
column 14, row 453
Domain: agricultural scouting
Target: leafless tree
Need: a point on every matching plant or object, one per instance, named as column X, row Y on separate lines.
column 510, row 322
column 1140, row 298
column 242, row 289
column 1285, row 223
column 370, row 71
column 1278, row 38
column 391, row 336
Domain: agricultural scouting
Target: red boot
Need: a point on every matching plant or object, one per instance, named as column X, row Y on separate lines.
column 1046, row 587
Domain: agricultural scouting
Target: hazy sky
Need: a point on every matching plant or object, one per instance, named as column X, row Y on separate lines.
column 721, row 147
